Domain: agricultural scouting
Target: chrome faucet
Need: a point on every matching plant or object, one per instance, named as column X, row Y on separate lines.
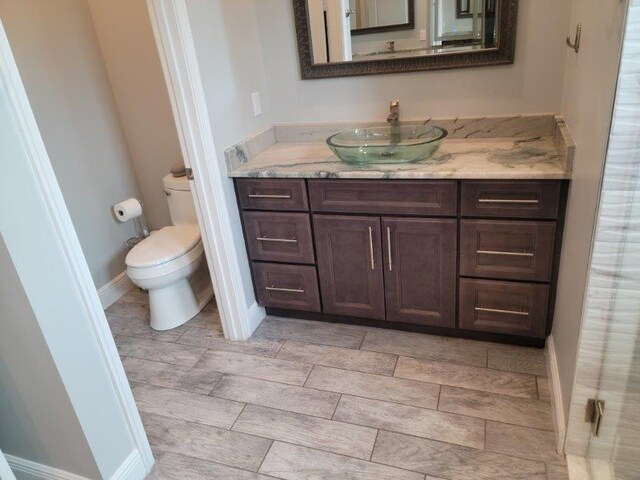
column 394, row 113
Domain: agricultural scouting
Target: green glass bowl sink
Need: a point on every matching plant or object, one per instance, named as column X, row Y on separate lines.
column 391, row 144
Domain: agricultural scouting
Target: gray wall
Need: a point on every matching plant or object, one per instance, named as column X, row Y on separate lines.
column 131, row 58
column 228, row 49
column 57, row 53
column 37, row 421
column 51, row 342
column 589, row 88
column 532, row 85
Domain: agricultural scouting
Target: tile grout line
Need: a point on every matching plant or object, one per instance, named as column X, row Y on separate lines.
column 265, row 456
column 282, row 342
column 280, row 348
column 181, row 390
column 417, row 437
column 240, row 413
column 216, row 386
column 304, row 385
column 373, row 448
column 395, row 366
column 336, row 409
column 484, row 446
column 315, row 449
column 362, row 342
column 182, row 335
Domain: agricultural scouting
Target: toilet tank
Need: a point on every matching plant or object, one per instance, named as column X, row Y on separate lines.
column 181, row 207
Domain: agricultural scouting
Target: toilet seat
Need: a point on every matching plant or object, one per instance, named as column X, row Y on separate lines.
column 165, row 252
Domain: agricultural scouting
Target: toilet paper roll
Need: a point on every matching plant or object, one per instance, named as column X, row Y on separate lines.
column 128, row 209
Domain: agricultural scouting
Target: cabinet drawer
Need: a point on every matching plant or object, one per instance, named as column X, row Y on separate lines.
column 426, row 198
column 520, row 199
column 513, row 250
column 503, row 307
column 293, row 287
column 279, row 237
column 272, row 194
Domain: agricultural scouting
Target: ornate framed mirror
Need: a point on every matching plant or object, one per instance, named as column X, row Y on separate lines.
column 338, row 38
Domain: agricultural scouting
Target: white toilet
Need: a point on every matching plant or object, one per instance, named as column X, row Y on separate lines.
column 169, row 263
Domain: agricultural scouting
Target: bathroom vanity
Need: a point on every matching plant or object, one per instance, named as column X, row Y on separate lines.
column 466, row 243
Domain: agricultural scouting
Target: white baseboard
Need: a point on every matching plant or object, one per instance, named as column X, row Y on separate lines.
column 111, row 292
column 557, row 405
column 131, row 469
column 583, row 468
column 255, row 316
column 35, row 470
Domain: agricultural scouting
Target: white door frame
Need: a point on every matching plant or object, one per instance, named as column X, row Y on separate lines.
column 74, row 260
column 240, row 313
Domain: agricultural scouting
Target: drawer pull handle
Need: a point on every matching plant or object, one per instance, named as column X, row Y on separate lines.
column 278, row 240
column 510, row 254
column 289, row 290
column 286, row 196
column 506, row 200
column 373, row 263
column 497, row 310
column 389, row 248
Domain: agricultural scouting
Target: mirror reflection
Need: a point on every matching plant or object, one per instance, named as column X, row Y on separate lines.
column 370, row 16
column 362, row 30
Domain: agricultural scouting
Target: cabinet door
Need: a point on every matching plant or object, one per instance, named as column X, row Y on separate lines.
column 349, row 256
column 420, row 270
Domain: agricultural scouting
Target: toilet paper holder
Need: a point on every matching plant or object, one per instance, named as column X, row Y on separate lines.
column 142, row 231
column 133, row 209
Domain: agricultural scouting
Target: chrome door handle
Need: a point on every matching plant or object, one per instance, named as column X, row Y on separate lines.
column 278, row 240
column 280, row 197
column 497, row 310
column 373, row 263
column 507, row 200
column 510, row 254
column 389, row 248
column 290, row 290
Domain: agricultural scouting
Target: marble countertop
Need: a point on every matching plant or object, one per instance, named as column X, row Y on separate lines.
column 477, row 158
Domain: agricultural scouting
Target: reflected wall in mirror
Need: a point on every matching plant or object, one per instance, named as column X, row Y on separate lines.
column 358, row 37
column 374, row 16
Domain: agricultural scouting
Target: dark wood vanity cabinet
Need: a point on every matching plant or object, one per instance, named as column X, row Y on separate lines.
column 469, row 258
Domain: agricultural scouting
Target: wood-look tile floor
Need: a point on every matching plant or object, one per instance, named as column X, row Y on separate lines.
column 309, row 401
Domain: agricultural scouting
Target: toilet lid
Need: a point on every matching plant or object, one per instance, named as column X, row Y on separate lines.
column 163, row 246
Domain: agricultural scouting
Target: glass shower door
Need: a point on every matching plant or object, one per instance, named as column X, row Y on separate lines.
column 607, row 434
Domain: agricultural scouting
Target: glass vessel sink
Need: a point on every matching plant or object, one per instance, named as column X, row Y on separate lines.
column 390, row 144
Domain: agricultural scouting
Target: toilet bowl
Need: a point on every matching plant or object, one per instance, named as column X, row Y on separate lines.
column 169, row 263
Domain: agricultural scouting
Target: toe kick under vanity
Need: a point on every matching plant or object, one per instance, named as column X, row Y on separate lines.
column 466, row 243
